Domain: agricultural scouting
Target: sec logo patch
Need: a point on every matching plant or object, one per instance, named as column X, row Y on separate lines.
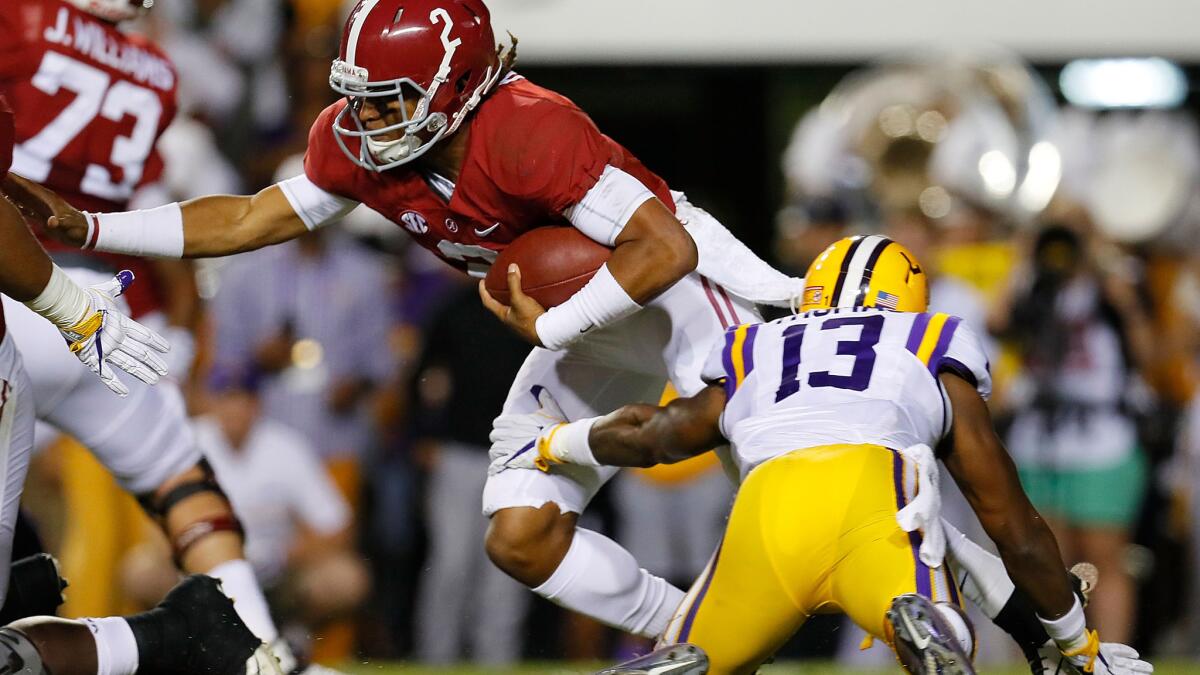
column 414, row 222
column 813, row 295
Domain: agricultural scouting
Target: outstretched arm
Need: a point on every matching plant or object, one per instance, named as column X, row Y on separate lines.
column 635, row 435
column 645, row 435
column 198, row 228
column 984, row 471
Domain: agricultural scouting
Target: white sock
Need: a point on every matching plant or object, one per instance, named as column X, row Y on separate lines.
column 116, row 648
column 602, row 580
column 980, row 575
column 238, row 582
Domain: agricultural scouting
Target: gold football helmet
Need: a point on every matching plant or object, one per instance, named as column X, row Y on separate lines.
column 866, row 271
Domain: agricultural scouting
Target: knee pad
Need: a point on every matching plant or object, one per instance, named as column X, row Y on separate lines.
column 35, row 588
column 18, row 656
column 158, row 508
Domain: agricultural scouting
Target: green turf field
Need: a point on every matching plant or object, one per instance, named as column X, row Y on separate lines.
column 787, row 668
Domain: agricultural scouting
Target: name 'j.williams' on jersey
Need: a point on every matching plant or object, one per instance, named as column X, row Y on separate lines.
column 847, row 375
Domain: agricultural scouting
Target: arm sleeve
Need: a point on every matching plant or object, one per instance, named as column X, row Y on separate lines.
column 316, row 207
column 605, row 209
column 966, row 357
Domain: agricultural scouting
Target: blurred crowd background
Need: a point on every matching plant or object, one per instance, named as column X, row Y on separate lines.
column 344, row 384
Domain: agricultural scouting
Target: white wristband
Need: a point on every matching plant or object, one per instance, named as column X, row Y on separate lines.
column 151, row 232
column 1068, row 630
column 568, row 443
column 62, row 301
column 600, row 302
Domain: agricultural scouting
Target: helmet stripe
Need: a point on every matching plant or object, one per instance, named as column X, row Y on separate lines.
column 854, row 266
column 841, row 280
column 868, row 270
column 356, row 27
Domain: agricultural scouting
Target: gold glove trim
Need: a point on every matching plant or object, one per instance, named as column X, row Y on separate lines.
column 1090, row 650
column 84, row 330
column 545, row 457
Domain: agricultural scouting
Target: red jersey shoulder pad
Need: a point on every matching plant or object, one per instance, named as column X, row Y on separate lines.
column 324, row 162
column 540, row 146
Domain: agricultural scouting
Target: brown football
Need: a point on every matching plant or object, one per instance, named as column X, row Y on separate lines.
column 555, row 263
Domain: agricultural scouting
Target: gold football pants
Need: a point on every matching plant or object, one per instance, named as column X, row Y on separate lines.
column 812, row 531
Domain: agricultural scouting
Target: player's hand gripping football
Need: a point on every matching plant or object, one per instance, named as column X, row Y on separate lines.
column 522, row 314
column 514, row 437
column 105, row 337
column 63, row 221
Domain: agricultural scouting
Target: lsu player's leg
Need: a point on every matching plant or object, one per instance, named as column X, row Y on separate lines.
column 533, row 535
column 770, row 571
column 872, row 545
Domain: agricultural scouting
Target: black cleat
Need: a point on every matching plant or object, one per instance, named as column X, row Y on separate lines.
column 677, row 659
column 925, row 642
column 196, row 631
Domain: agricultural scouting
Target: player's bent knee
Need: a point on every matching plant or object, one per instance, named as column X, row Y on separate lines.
column 527, row 543
column 192, row 507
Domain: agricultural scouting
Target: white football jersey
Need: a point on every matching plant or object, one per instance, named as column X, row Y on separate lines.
column 848, row 375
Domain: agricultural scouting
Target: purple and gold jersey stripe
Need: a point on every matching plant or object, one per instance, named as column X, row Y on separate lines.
column 930, row 338
column 924, row 575
column 738, row 355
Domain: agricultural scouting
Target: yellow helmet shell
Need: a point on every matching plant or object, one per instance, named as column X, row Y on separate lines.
column 866, row 271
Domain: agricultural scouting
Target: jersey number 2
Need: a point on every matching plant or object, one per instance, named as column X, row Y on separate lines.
column 862, row 349
column 94, row 97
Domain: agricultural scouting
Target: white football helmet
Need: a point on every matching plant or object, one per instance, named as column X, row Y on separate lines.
column 114, row 10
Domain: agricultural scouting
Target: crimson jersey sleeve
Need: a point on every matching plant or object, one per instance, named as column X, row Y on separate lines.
column 549, row 153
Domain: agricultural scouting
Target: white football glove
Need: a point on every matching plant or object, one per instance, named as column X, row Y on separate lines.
column 514, row 437
column 105, row 337
column 1111, row 658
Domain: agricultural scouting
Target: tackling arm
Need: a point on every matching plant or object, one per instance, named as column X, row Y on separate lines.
column 638, row 435
column 984, row 471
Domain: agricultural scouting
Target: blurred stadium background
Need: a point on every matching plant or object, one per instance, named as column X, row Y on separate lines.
column 1043, row 157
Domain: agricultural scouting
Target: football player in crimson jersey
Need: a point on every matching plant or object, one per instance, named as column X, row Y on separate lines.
column 90, row 102
column 436, row 131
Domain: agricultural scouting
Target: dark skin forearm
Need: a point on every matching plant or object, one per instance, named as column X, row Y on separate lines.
column 645, row 435
column 988, row 478
column 24, row 266
column 652, row 252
